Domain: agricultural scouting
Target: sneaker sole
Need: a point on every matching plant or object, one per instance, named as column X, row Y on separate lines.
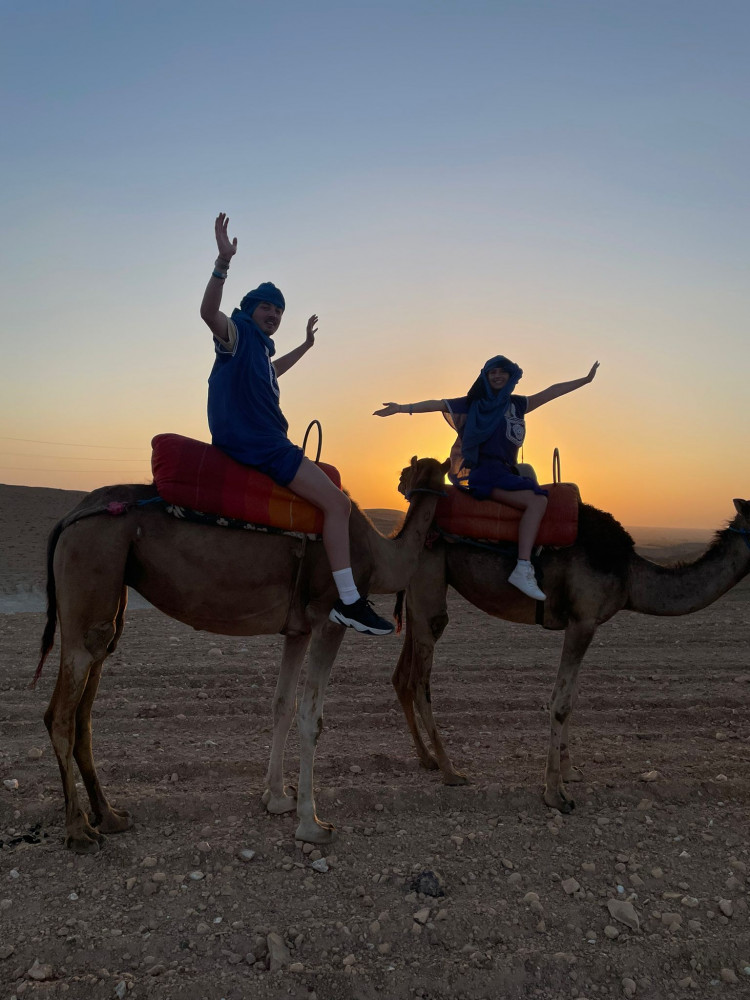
column 339, row 619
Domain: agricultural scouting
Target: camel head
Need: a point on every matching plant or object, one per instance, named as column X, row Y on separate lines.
column 427, row 475
column 741, row 523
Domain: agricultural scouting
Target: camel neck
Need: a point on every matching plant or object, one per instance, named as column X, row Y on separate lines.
column 682, row 589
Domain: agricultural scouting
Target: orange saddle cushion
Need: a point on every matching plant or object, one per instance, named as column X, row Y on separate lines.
column 458, row 513
column 193, row 474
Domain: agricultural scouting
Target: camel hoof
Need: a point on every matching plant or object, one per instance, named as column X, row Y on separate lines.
column 84, row 844
column 429, row 763
column 318, row 832
column 560, row 801
column 116, row 821
column 456, row 778
column 277, row 805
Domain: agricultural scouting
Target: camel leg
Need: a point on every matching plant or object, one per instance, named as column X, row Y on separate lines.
column 276, row 798
column 62, row 722
column 323, row 649
column 106, row 819
column 578, row 635
column 406, row 696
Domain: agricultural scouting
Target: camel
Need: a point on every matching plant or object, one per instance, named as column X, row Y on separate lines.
column 586, row 584
column 216, row 579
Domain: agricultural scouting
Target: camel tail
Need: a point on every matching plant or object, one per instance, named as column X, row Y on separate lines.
column 398, row 611
column 48, row 638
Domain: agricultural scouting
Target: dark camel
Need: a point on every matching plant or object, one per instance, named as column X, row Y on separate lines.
column 586, row 584
column 218, row 580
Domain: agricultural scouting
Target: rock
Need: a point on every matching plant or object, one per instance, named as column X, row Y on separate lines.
column 11, row 784
column 34, row 753
column 355, row 769
column 611, row 932
column 202, row 928
column 628, row 987
column 728, row 976
column 623, row 911
column 727, row 907
column 422, row 916
column 203, row 847
column 650, row 776
column 196, row 876
column 296, row 967
column 570, row 885
column 349, row 960
column 6, row 950
column 214, row 651
column 246, row 854
column 321, row 865
column 121, row 990
column 40, row 972
column 428, row 883
column 278, row 953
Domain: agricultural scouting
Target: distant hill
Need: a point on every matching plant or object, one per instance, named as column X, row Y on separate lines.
column 28, row 513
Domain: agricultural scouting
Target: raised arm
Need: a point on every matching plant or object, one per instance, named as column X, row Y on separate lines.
column 559, row 389
column 211, row 313
column 426, row 406
column 284, row 363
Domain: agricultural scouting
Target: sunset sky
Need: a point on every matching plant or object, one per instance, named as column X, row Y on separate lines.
column 560, row 182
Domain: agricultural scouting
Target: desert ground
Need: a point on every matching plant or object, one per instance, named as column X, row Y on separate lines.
column 443, row 893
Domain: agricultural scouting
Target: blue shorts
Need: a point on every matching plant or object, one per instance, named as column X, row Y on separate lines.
column 280, row 461
column 491, row 476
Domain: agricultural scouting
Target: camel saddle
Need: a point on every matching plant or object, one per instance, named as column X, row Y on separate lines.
column 458, row 513
column 190, row 473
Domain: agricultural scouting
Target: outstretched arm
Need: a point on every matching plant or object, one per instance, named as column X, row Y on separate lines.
column 559, row 389
column 284, row 363
column 426, row 406
column 211, row 314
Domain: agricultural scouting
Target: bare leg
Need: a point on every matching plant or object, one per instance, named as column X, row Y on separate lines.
column 276, row 797
column 533, row 506
column 578, row 635
column 314, row 485
column 325, row 644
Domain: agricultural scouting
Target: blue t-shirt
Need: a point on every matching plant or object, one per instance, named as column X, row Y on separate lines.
column 503, row 445
column 244, row 415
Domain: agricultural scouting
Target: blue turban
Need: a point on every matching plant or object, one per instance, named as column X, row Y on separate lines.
column 265, row 292
column 486, row 408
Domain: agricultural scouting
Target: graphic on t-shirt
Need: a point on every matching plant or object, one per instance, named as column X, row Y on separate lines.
column 515, row 427
column 272, row 376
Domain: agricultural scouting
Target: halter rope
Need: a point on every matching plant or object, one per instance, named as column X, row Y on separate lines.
column 741, row 531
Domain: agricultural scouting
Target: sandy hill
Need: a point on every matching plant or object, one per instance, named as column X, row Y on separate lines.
column 28, row 513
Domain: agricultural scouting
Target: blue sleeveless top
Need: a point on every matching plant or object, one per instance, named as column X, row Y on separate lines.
column 244, row 414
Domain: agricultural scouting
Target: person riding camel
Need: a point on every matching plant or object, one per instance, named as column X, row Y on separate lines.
column 246, row 421
column 490, row 424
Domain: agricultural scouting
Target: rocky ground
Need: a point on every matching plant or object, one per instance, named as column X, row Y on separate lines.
column 428, row 891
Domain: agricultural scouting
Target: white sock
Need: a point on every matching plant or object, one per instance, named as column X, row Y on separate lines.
column 344, row 580
column 524, row 562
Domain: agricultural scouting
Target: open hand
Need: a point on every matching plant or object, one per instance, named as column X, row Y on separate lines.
column 388, row 410
column 227, row 247
column 311, row 331
column 590, row 376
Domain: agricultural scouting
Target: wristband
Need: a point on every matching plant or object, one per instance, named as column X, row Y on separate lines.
column 221, row 275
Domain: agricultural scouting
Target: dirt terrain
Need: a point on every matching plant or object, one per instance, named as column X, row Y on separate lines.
column 515, row 900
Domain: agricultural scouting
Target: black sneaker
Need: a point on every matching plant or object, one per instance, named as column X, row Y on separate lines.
column 360, row 616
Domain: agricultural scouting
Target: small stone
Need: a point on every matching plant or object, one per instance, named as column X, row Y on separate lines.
column 121, row 990
column 628, row 987
column 611, row 932
column 623, row 911
column 570, row 885
column 246, row 854
column 657, row 873
column 384, row 948
column 728, row 976
column 321, row 865
column 203, row 847
column 422, row 916
column 278, row 953
column 196, row 876
column 727, row 907
column 687, row 983
column 34, row 753
column 721, row 777
column 349, row 960
column 202, row 928
column 355, row 769
column 11, row 784
column 6, row 950
column 296, row 967
column 40, row 973
column 650, row 776
column 214, row 651
column 149, row 862
column 689, row 901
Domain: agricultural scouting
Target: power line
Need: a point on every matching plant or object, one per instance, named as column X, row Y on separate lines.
column 76, row 444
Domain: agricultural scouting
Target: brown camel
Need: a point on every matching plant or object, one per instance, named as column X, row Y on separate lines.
column 219, row 580
column 586, row 584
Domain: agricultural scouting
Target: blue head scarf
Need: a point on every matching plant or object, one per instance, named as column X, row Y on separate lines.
column 265, row 292
column 487, row 408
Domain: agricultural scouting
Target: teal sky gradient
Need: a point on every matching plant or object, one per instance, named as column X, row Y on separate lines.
column 440, row 182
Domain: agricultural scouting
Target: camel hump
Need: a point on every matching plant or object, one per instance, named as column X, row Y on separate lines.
column 199, row 476
column 458, row 513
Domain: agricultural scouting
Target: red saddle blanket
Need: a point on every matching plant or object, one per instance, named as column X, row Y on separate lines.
column 458, row 513
column 193, row 474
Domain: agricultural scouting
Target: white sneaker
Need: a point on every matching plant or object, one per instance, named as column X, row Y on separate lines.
column 523, row 578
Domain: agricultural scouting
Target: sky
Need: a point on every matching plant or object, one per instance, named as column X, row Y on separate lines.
column 559, row 182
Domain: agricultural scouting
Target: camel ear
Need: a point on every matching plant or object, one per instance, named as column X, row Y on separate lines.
column 446, row 465
column 742, row 507
column 414, row 461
